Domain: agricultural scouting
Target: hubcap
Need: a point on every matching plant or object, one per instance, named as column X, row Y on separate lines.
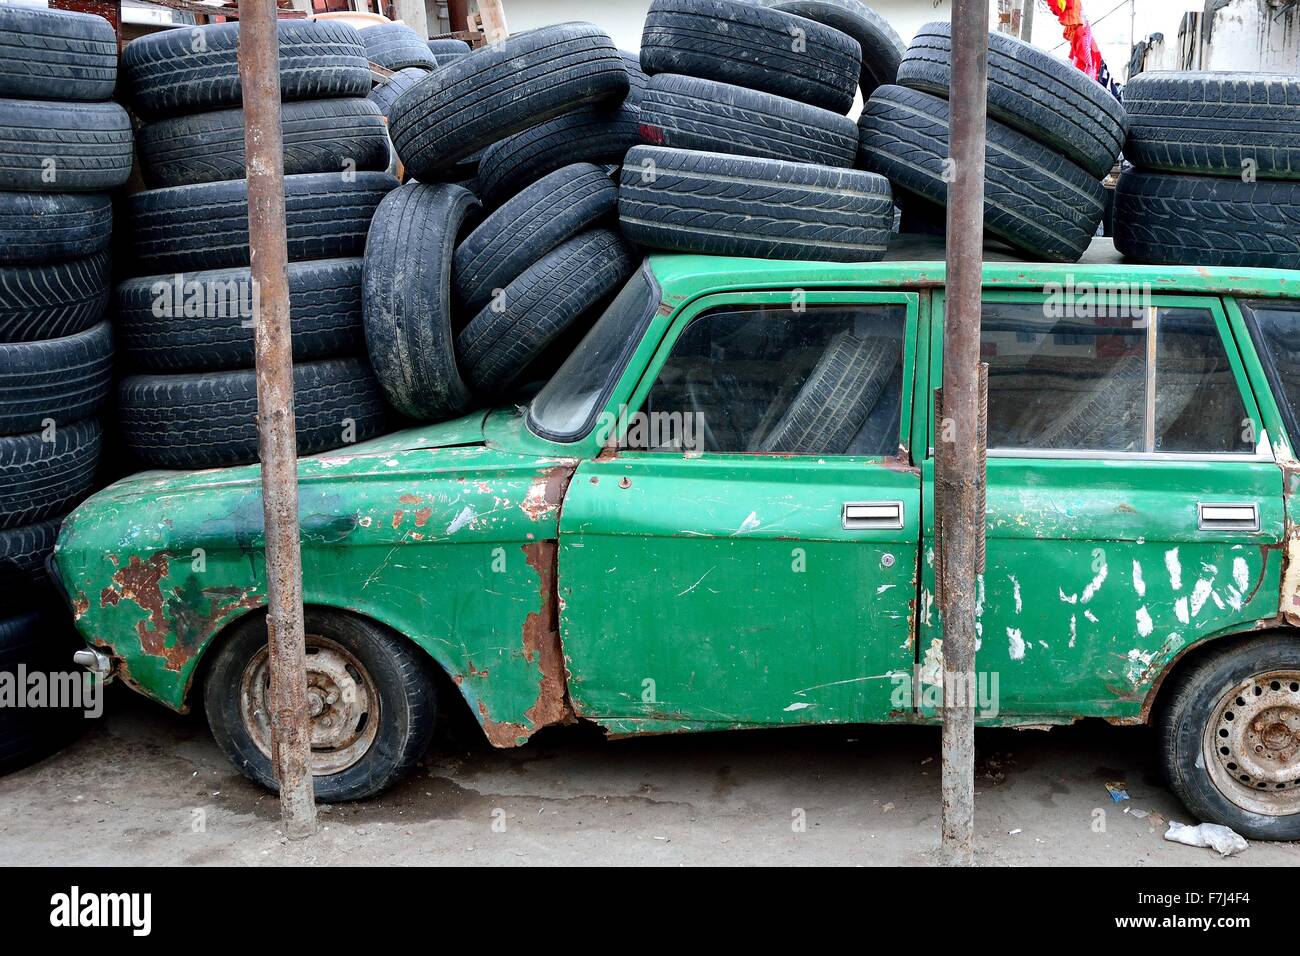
column 342, row 704
column 1252, row 744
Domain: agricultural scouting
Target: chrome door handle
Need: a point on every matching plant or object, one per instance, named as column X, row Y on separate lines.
column 878, row 515
column 1213, row 516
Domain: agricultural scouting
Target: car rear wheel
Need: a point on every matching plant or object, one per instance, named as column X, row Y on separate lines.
column 370, row 698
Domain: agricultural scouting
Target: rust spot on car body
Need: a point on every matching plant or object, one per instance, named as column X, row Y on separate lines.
column 547, row 491
column 422, row 517
column 541, row 639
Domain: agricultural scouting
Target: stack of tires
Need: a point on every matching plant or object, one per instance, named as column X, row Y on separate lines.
column 63, row 148
column 749, row 150
column 185, row 320
column 462, row 308
column 1216, row 170
column 1053, row 135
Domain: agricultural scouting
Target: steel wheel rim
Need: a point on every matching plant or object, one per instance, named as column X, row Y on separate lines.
column 342, row 705
column 1251, row 744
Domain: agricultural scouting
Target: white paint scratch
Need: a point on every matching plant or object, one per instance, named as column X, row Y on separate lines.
column 1015, row 593
column 749, row 524
column 1175, row 569
column 1139, row 583
column 467, row 514
column 1016, row 644
column 1180, row 609
column 1240, row 574
column 1145, row 625
column 1095, row 584
column 1200, row 594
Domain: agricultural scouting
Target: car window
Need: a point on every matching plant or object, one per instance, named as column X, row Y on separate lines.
column 1083, row 382
column 823, row 380
column 1275, row 327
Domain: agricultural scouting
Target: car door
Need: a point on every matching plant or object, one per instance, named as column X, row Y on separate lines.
column 1134, row 507
column 748, row 554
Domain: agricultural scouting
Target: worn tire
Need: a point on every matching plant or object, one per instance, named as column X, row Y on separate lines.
column 395, row 46
column 64, row 380
column 733, row 41
column 384, row 95
column 209, row 419
column 741, row 206
column 685, row 112
column 23, row 552
column 448, row 50
column 1212, row 123
column 401, row 673
column 882, row 47
column 205, row 226
column 324, row 312
column 56, row 55
column 502, row 89
column 39, row 479
column 537, row 307
column 1034, row 198
column 320, row 136
column 1189, row 700
column 1199, row 220
column 531, row 224
column 85, row 147
column 53, row 227
column 164, row 76
column 51, row 301
column 407, row 300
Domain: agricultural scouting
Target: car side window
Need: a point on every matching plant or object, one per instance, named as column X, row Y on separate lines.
column 823, row 380
column 1275, row 327
column 1084, row 383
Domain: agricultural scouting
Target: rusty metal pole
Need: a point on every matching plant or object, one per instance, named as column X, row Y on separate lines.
column 958, row 479
column 277, row 446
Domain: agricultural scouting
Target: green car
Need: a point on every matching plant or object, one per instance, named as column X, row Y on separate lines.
column 719, row 514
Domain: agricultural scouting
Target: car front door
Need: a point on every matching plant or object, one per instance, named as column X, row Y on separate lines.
column 748, row 554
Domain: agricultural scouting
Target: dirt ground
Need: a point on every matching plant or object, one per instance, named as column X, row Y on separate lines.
column 145, row 786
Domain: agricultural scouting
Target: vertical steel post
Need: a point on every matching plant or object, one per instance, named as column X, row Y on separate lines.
column 277, row 447
column 957, row 481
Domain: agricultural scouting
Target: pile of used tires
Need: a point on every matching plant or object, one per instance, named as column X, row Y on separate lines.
column 184, row 319
column 1216, row 170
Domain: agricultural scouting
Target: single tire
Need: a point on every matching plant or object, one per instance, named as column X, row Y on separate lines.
column 38, row 641
column 1215, row 124
column 521, row 232
column 407, row 299
column 320, row 136
column 1222, row 719
column 195, row 69
column 498, row 344
column 395, row 46
column 378, row 725
column 1030, row 90
column 205, row 226
column 56, row 55
column 685, row 112
column 384, row 95
column 1034, row 198
column 1196, row 220
column 202, row 323
column 39, row 478
column 733, row 41
column 23, row 552
column 53, row 227
column 447, row 49
column 882, row 47
column 60, row 380
column 209, row 419
column 63, row 147
column 54, row 300
column 502, row 89
column 765, row 208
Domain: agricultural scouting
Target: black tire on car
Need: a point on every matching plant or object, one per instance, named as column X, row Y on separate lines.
column 503, row 339
column 195, row 69
column 1164, row 218
column 56, row 55
column 204, row 323
column 1034, row 198
column 319, row 136
column 52, row 300
column 386, row 93
column 44, row 472
column 1215, row 124
column 205, row 226
column 527, row 227
column 498, row 90
column 685, row 112
column 395, row 46
column 714, row 204
column 364, row 740
column 1218, row 716
column 407, row 298
column 733, row 41
column 882, row 47
column 63, row 147
column 41, row 228
column 59, row 380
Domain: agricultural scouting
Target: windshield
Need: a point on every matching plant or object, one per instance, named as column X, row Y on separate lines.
column 566, row 408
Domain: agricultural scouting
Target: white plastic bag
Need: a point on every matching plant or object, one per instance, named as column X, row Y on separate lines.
column 1223, row 839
